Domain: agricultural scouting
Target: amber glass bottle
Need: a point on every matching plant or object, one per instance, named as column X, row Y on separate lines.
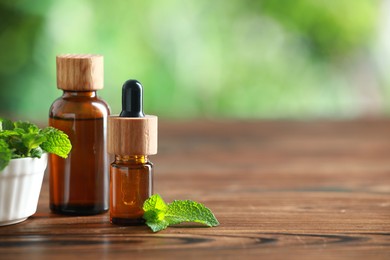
column 132, row 136
column 130, row 185
column 79, row 184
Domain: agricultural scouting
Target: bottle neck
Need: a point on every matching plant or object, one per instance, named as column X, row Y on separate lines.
column 85, row 94
column 131, row 159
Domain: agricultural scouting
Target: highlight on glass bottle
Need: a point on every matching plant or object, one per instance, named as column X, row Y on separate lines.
column 79, row 184
column 132, row 137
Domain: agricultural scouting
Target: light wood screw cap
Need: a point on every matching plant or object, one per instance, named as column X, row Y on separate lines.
column 80, row 72
column 132, row 135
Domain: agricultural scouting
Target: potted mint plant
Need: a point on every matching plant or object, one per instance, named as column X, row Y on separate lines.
column 23, row 160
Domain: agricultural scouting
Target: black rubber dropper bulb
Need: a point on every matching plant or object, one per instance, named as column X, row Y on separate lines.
column 132, row 99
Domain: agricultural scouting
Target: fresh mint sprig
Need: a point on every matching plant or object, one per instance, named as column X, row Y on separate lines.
column 23, row 139
column 56, row 142
column 159, row 215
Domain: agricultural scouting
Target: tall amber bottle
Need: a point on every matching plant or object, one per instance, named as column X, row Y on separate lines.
column 79, row 184
column 132, row 137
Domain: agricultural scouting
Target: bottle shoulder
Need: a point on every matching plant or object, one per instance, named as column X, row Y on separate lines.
column 79, row 108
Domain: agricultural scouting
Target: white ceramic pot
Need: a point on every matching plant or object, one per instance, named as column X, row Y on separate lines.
column 20, row 185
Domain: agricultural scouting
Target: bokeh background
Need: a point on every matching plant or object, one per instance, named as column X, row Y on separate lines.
column 267, row 59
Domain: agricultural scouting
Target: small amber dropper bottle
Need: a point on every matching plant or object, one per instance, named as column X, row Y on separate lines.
column 132, row 137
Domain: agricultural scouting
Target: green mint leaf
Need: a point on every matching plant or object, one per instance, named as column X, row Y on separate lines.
column 32, row 141
column 6, row 124
column 5, row 154
column 23, row 139
column 36, row 153
column 155, row 202
column 57, row 142
column 190, row 211
column 15, row 142
column 27, row 127
column 156, row 226
column 155, row 209
column 159, row 215
column 8, row 133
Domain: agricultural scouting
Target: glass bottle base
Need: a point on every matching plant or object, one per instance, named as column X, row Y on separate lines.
column 77, row 210
column 128, row 221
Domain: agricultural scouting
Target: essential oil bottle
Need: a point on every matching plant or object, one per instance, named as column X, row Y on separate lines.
column 132, row 137
column 79, row 184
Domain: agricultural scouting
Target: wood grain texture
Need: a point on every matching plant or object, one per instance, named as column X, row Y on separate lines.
column 281, row 190
column 132, row 135
column 80, row 72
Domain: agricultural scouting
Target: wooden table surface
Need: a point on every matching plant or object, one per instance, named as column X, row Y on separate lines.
column 281, row 190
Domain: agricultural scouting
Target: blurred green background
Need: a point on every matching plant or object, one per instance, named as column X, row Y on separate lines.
column 298, row 59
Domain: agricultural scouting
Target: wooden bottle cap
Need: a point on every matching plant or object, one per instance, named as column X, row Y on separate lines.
column 80, row 72
column 132, row 135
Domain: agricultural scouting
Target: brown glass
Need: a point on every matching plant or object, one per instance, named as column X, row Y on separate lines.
column 131, row 183
column 79, row 184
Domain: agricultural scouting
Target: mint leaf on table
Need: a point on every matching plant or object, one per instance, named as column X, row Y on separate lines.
column 190, row 211
column 57, row 142
column 155, row 209
column 159, row 215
